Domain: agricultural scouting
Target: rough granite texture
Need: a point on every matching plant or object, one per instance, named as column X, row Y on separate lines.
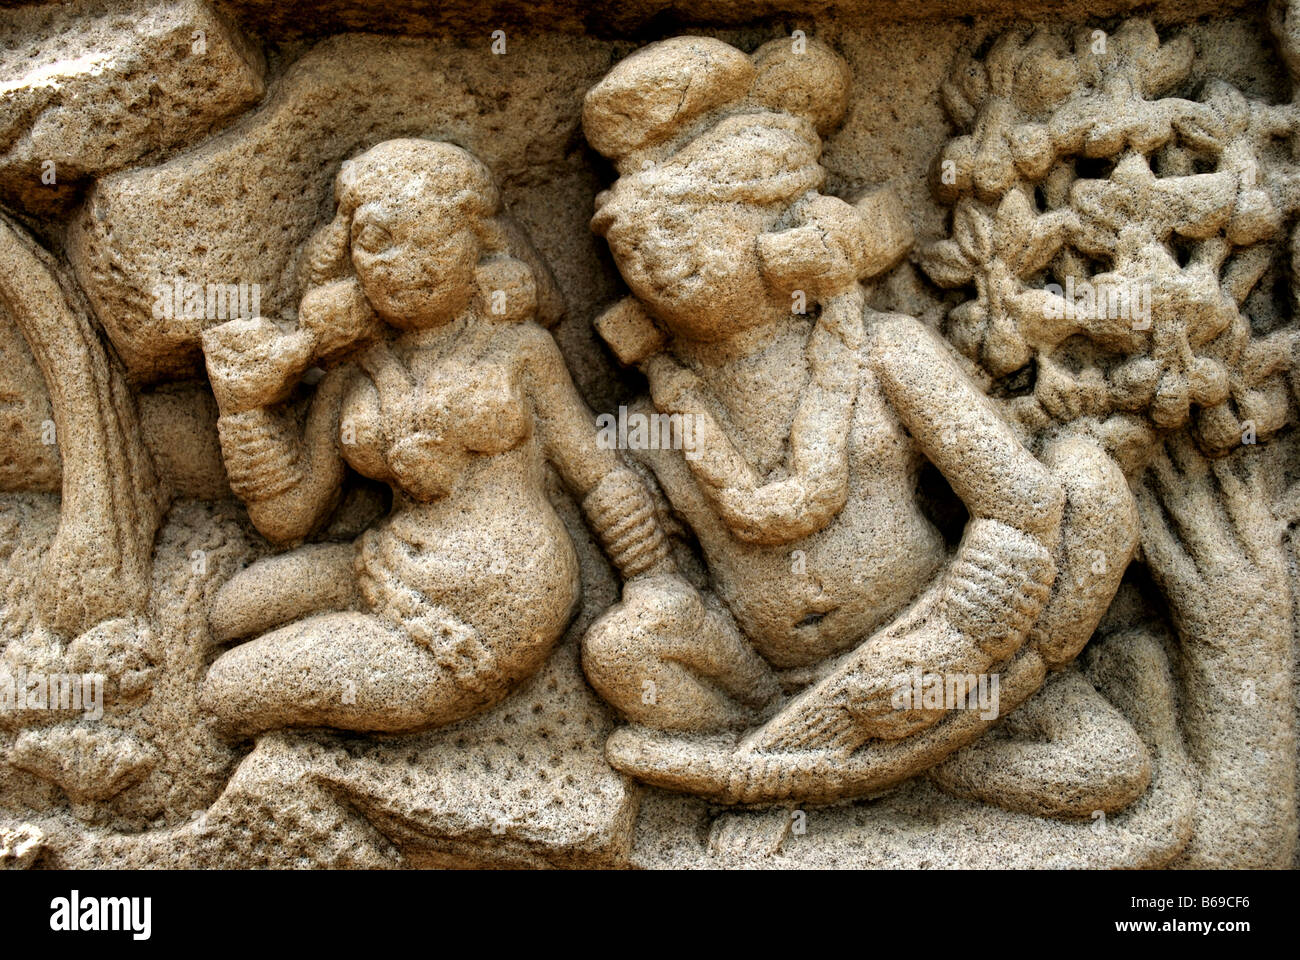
column 694, row 434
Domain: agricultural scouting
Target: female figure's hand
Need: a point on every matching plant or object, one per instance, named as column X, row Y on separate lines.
column 254, row 363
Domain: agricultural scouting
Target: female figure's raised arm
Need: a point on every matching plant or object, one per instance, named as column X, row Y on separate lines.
column 665, row 655
column 288, row 476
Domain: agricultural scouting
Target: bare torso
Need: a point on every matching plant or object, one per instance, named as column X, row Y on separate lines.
column 489, row 545
column 802, row 601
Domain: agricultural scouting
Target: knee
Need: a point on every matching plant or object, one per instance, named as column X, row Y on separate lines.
column 623, row 659
column 608, row 662
column 228, row 693
column 1097, row 492
column 650, row 625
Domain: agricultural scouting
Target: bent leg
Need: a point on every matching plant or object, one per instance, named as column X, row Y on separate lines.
column 667, row 658
column 1066, row 753
column 312, row 579
column 344, row 670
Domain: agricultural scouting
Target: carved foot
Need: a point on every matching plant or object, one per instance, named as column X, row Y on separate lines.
column 721, row 768
column 1066, row 753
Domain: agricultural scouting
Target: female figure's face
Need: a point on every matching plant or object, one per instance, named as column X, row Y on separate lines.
column 415, row 260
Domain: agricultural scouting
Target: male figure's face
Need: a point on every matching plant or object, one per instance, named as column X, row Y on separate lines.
column 693, row 264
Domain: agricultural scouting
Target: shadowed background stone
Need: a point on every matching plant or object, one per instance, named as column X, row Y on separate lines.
column 1145, row 567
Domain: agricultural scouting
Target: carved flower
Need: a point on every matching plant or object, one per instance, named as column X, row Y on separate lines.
column 123, row 651
column 1002, row 101
column 87, row 764
column 1177, row 346
column 1244, row 131
column 996, row 249
column 1032, row 100
column 1113, row 112
column 1132, row 218
column 1256, row 404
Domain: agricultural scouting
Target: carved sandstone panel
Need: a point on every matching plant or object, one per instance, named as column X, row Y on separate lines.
column 562, row 441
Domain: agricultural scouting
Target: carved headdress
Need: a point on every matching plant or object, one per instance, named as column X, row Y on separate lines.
column 676, row 91
column 694, row 121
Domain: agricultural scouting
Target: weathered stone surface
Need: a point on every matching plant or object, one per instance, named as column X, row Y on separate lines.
column 88, row 88
column 239, row 208
column 691, row 435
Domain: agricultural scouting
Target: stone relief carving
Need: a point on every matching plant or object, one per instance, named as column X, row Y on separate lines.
column 462, row 591
column 814, row 504
column 733, row 204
